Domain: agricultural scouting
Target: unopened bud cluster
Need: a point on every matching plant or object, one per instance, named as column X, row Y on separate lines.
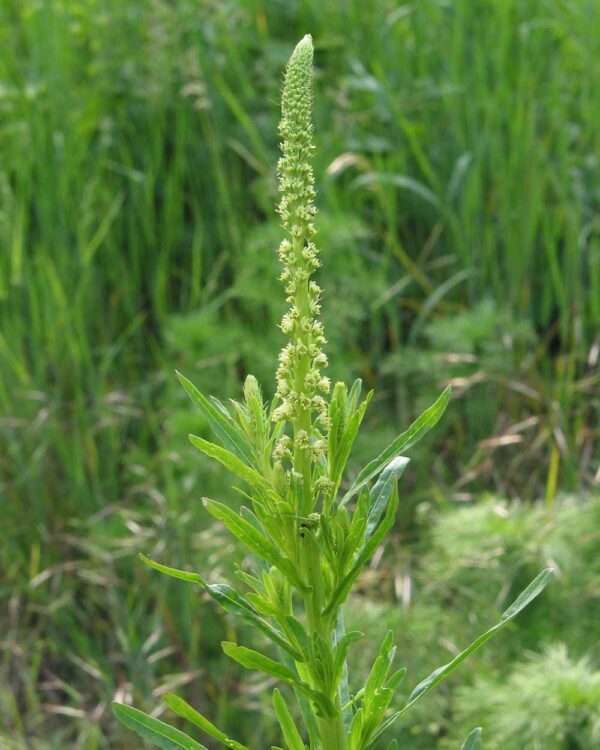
column 300, row 385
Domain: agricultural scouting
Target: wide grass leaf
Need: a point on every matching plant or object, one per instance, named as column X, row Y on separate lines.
column 420, row 427
column 155, row 731
column 183, row 709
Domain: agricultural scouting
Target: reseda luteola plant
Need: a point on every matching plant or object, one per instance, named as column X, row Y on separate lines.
column 309, row 540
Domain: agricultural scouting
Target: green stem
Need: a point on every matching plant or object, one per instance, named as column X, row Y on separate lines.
column 331, row 728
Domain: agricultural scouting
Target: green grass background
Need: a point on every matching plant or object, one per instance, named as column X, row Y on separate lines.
column 459, row 191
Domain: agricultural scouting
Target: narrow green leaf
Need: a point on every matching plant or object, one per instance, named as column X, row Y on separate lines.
column 382, row 491
column 525, row 598
column 396, row 679
column 251, row 659
column 344, row 691
column 256, row 542
column 183, row 709
column 308, row 715
column 339, row 449
column 157, row 732
column 380, row 668
column 342, row 590
column 415, row 432
column 220, row 422
column 473, row 741
column 182, row 575
column 291, row 735
column 229, row 600
column 231, row 462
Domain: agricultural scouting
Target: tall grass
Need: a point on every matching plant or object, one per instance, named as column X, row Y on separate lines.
column 135, row 150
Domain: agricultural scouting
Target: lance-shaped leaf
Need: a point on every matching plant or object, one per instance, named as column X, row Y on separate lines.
column 291, row 735
column 345, row 419
column 308, row 715
column 473, row 741
column 342, row 641
column 382, row 491
column 157, row 732
column 231, row 462
column 221, row 423
column 525, row 597
column 251, row 659
column 256, row 542
column 415, row 432
column 229, row 600
column 183, row 709
column 343, row 588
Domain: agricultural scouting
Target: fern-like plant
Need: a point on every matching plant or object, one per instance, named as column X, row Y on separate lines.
column 309, row 529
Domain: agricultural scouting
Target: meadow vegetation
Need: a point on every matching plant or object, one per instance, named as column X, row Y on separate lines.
column 456, row 156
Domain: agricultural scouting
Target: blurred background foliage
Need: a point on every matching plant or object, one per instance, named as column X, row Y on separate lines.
column 457, row 168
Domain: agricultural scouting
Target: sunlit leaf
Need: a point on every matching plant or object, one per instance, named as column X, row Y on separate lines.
column 221, row 423
column 473, row 741
column 157, row 732
column 183, row 709
column 420, row 427
column 291, row 735
column 230, row 600
column 524, row 598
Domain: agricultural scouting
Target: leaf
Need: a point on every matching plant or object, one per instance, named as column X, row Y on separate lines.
column 396, row 679
column 524, row 598
column 229, row 600
column 231, row 462
column 379, row 670
column 291, row 735
column 183, row 709
column 220, row 422
column 182, row 575
column 415, row 432
column 308, row 715
column 345, row 429
column 473, row 741
column 341, row 637
column 251, row 659
column 342, row 590
column 155, row 731
column 256, row 542
column 381, row 492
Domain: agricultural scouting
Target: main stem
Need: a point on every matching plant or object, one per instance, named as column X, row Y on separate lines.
column 331, row 728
